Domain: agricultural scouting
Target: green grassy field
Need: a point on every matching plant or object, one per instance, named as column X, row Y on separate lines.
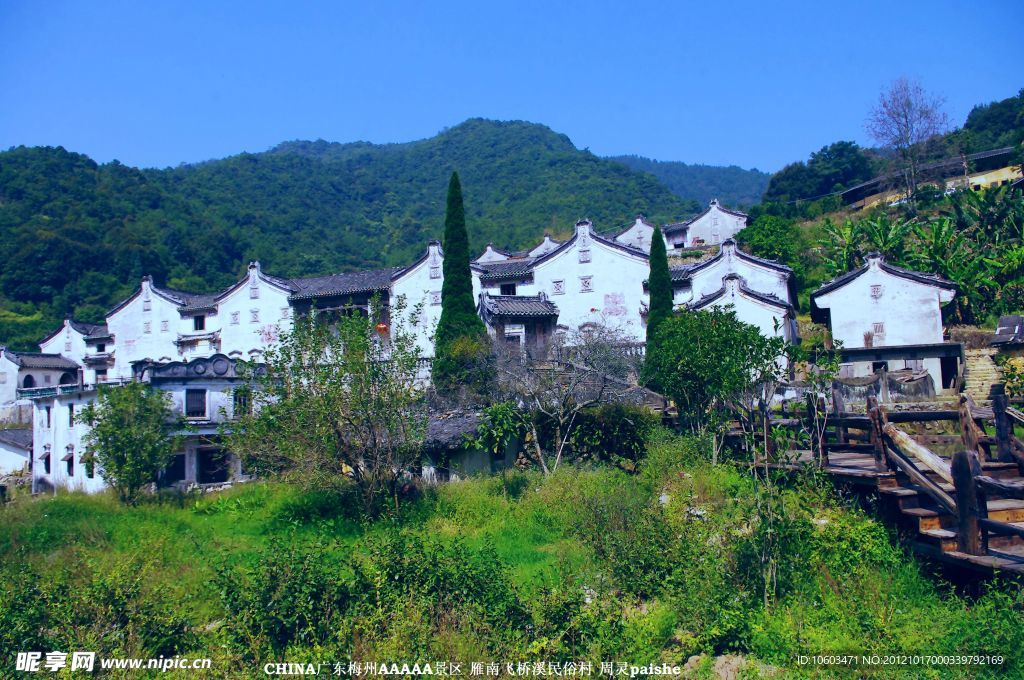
column 681, row 559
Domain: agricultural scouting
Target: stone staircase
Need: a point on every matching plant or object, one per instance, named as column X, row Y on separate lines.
column 980, row 373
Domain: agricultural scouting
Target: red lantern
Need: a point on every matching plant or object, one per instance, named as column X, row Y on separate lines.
column 382, row 328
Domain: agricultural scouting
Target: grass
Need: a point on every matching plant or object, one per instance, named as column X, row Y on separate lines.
column 684, row 558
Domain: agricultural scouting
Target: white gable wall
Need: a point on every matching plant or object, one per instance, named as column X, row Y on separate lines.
column 616, row 292
column 758, row 277
column 60, row 434
column 906, row 312
column 67, row 342
column 714, row 226
column 250, row 318
column 141, row 333
column 420, row 289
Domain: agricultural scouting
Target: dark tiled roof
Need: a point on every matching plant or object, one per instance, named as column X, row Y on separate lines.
column 343, row 284
column 19, row 439
column 766, row 298
column 506, row 269
column 1010, row 330
column 919, row 277
column 680, row 272
column 198, row 303
column 41, row 360
column 450, row 430
column 88, row 329
column 519, row 305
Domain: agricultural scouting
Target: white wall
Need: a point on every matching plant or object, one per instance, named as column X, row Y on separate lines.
column 910, row 313
column 8, row 379
column 58, row 436
column 616, row 278
column 709, row 279
column 714, row 226
column 144, row 328
column 420, row 289
column 12, row 459
column 249, row 325
column 71, row 344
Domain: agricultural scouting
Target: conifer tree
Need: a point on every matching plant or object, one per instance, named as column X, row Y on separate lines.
column 659, row 286
column 460, row 340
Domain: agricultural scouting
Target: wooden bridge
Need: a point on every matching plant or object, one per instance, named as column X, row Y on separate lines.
column 965, row 510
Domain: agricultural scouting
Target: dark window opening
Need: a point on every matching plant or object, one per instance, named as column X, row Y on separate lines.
column 70, row 462
column 199, row 322
column 49, row 412
column 213, row 466
column 29, row 381
column 46, row 463
column 90, row 464
column 71, row 415
column 175, row 472
column 195, row 403
column 508, row 289
column 101, row 347
column 242, row 402
column 68, row 378
column 101, row 375
column 877, row 366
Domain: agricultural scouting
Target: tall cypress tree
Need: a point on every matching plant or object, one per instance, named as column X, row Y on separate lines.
column 659, row 286
column 460, row 337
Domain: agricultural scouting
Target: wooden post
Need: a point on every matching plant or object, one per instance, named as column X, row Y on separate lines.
column 968, row 429
column 965, row 468
column 837, row 409
column 876, row 433
column 1004, row 428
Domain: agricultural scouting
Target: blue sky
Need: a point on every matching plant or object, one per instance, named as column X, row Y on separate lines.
column 756, row 84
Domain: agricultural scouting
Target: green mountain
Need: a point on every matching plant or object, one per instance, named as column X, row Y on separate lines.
column 76, row 236
column 732, row 185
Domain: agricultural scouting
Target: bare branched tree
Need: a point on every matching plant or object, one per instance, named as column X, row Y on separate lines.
column 575, row 371
column 904, row 119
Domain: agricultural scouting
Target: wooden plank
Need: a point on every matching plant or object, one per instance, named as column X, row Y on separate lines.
column 905, row 442
column 1002, row 528
column 1002, row 486
column 918, row 478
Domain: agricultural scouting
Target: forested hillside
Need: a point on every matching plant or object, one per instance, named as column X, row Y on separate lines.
column 732, row 185
column 76, row 236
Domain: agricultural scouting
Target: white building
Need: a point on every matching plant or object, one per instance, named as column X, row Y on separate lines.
column 880, row 305
column 713, row 226
column 15, row 450
column 187, row 343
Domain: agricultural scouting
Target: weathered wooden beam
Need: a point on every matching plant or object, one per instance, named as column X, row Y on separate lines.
column 969, row 430
column 1003, row 487
column 916, row 476
column 906, row 443
column 837, row 412
column 965, row 468
column 1001, row 528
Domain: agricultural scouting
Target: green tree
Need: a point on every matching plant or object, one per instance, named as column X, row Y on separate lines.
column 659, row 285
column 460, row 340
column 130, row 436
column 841, row 246
column 887, row 236
column 713, row 365
column 335, row 398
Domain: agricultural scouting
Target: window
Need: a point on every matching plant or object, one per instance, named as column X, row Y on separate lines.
column 3, row 378
column 67, row 346
column 586, row 284
column 558, row 287
column 101, row 347
column 285, row 312
column 47, row 379
column 147, row 305
column 147, row 327
column 234, row 318
column 164, row 326
column 254, row 292
column 199, row 322
column 876, row 291
column 254, row 316
column 435, row 272
column 49, row 414
column 585, row 255
column 89, row 461
column 878, row 328
column 242, row 405
column 508, row 289
column 69, row 460
column 435, row 297
column 46, row 458
column 71, row 415
column 28, row 382
column 195, row 403
column 101, row 375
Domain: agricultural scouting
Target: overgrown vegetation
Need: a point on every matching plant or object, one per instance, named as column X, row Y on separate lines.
column 584, row 564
